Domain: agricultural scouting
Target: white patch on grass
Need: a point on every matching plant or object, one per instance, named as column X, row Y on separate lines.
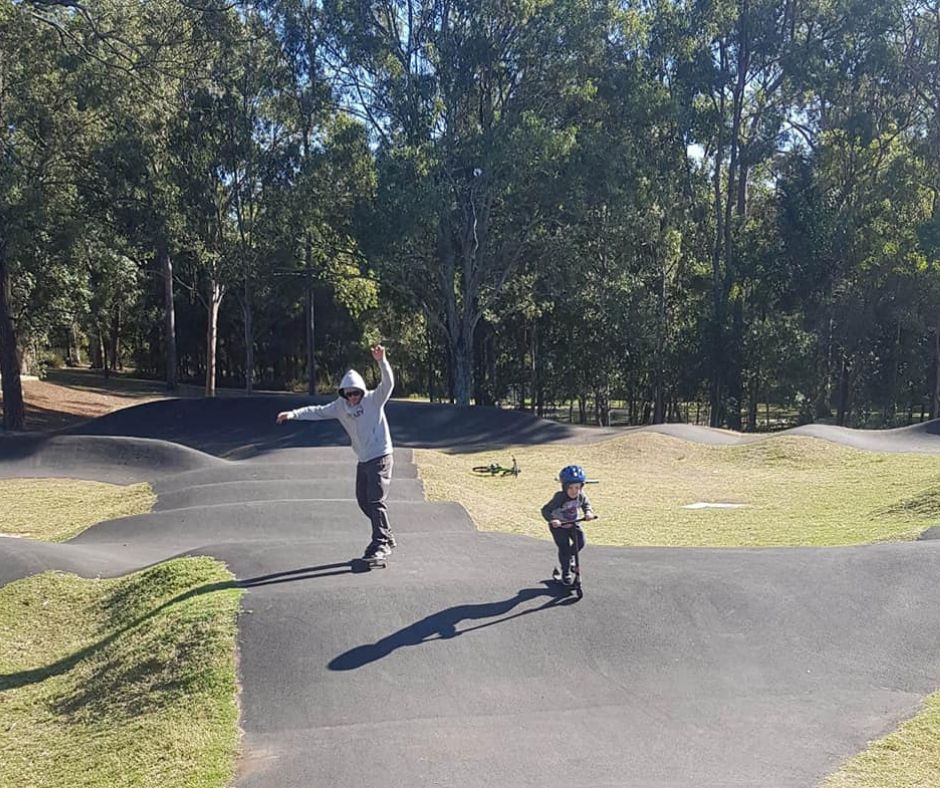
column 707, row 505
column 14, row 536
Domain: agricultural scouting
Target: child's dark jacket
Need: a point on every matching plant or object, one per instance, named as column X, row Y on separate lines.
column 563, row 508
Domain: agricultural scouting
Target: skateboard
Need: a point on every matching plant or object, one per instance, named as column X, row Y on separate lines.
column 372, row 563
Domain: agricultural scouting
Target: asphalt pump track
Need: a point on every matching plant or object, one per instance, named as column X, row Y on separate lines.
column 461, row 665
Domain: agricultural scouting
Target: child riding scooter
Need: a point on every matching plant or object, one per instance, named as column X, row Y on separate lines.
column 561, row 512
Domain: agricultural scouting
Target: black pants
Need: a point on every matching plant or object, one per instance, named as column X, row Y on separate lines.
column 564, row 538
column 372, row 481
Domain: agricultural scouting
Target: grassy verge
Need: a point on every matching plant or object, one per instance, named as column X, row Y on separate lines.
column 907, row 758
column 128, row 681
column 796, row 491
column 54, row 510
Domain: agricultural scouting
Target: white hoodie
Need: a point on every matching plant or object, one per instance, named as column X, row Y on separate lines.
column 365, row 423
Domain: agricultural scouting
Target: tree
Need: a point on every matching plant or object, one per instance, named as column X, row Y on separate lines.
column 472, row 105
column 40, row 123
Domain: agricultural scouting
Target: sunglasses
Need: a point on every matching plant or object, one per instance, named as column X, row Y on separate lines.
column 351, row 393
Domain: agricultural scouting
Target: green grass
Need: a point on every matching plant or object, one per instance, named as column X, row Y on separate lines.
column 129, row 681
column 54, row 510
column 907, row 758
column 797, row 491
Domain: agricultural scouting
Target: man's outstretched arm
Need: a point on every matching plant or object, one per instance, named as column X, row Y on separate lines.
column 309, row 413
column 387, row 384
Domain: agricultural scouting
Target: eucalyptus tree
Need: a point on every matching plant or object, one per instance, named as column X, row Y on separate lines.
column 255, row 158
column 921, row 33
column 40, row 122
column 732, row 73
column 473, row 107
column 859, row 119
column 328, row 175
column 206, row 198
column 131, row 61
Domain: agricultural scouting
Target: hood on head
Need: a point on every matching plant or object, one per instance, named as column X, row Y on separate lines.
column 352, row 380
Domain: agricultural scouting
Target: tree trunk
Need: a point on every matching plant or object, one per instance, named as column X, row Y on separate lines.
column 935, row 397
column 463, row 369
column 659, row 371
column 169, row 314
column 752, row 404
column 460, row 346
column 94, row 345
column 217, row 292
column 891, row 406
column 14, row 411
column 843, row 392
column 430, row 351
column 822, row 408
column 311, row 316
column 249, row 340
column 75, row 347
column 718, row 308
column 101, row 350
column 492, row 391
column 539, row 392
column 602, row 405
column 114, row 341
column 481, row 352
column 734, row 384
column 533, row 359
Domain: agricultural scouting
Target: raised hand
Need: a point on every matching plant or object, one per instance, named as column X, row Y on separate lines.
column 283, row 416
column 378, row 352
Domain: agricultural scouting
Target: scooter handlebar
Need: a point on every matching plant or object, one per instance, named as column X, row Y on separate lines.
column 570, row 523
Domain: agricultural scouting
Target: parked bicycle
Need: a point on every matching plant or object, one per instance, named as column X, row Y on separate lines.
column 495, row 469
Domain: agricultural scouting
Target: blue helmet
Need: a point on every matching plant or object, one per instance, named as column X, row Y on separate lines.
column 572, row 474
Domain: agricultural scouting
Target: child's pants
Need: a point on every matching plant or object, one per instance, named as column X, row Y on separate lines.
column 564, row 538
column 372, row 481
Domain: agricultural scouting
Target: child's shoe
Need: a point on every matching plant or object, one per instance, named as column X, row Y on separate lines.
column 392, row 542
column 567, row 579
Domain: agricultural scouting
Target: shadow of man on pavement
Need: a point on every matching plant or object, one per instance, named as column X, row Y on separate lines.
column 355, row 566
column 443, row 625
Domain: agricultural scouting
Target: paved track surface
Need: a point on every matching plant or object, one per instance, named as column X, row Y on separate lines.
column 461, row 664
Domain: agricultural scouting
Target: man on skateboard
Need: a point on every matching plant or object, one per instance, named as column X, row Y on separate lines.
column 362, row 414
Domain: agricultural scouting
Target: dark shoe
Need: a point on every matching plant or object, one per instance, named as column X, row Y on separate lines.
column 370, row 550
column 567, row 579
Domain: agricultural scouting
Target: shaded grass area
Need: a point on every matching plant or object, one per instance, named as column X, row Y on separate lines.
column 908, row 758
column 129, row 681
column 54, row 510
column 796, row 491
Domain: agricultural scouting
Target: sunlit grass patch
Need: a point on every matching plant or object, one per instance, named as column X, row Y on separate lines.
column 129, row 681
column 54, row 510
column 796, row 491
column 907, row 758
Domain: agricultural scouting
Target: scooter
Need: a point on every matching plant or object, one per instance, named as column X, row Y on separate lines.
column 575, row 587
